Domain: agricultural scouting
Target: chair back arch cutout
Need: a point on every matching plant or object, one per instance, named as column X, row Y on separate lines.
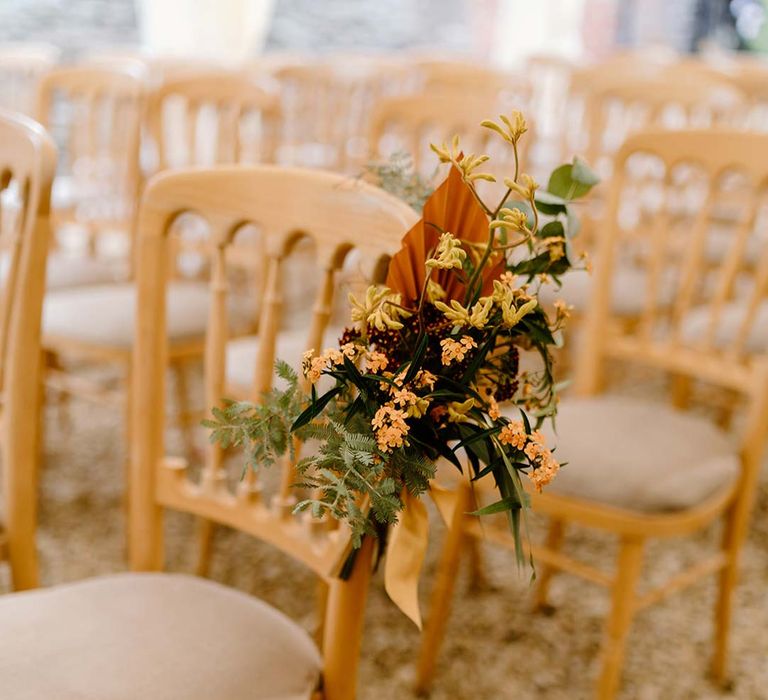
column 338, row 214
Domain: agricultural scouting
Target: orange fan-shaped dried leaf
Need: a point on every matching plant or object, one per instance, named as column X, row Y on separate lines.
column 451, row 207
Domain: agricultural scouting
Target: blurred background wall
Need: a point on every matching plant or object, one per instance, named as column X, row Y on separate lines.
column 483, row 28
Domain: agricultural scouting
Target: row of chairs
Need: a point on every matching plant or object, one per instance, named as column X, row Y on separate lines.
column 127, row 625
column 194, row 248
column 682, row 473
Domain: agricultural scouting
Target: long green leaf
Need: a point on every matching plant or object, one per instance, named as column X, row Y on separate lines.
column 501, row 506
column 314, row 409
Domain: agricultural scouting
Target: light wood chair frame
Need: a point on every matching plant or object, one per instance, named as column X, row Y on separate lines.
column 731, row 367
column 413, row 116
column 93, row 83
column 28, row 157
column 228, row 198
column 233, row 95
column 21, row 66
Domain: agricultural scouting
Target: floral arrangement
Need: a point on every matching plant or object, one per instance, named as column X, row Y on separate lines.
column 430, row 367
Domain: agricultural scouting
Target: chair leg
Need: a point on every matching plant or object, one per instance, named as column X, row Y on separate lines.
column 206, row 532
column 681, row 391
column 180, row 369
column 434, row 629
column 322, row 591
column 63, row 397
column 478, row 581
column 554, row 541
column 733, row 537
column 620, row 616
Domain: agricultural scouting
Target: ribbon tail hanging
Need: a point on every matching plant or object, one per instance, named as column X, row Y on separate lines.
column 406, row 550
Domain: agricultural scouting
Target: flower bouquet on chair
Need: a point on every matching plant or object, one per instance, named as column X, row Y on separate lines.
column 430, row 357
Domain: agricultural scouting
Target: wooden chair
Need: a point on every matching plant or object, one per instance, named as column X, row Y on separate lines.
column 95, row 115
column 313, row 110
column 94, row 323
column 310, row 268
column 362, row 81
column 213, row 118
column 616, row 107
column 326, row 107
column 474, row 80
column 549, row 77
column 639, row 469
column 27, row 165
column 609, row 106
column 115, row 632
column 21, row 66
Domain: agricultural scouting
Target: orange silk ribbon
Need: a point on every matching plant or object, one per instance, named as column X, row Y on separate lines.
column 407, row 547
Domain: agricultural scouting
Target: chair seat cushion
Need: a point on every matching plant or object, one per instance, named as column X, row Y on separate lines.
column 68, row 271
column 242, row 355
column 291, row 345
column 151, row 636
column 628, row 293
column 695, row 326
column 105, row 315
column 638, row 455
column 64, row 272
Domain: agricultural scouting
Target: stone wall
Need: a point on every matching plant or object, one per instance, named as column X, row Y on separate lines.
column 298, row 25
column 72, row 25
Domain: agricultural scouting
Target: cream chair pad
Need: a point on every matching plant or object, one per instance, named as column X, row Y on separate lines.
column 106, row 314
column 637, row 454
column 154, row 637
column 695, row 326
column 64, row 272
column 291, row 345
column 628, row 294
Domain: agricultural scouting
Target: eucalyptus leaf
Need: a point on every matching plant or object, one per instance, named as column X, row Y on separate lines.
column 554, row 229
column 583, row 174
column 563, row 184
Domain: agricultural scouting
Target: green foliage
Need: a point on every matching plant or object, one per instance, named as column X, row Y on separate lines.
column 398, row 177
column 572, row 180
column 428, row 385
column 263, row 429
column 349, row 470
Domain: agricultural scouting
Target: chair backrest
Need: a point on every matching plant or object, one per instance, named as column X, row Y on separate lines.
column 313, row 112
column 339, row 214
column 212, row 118
column 361, row 81
column 27, row 165
column 676, row 198
column 21, row 66
column 95, row 115
column 473, row 80
column 326, row 107
column 409, row 124
column 609, row 107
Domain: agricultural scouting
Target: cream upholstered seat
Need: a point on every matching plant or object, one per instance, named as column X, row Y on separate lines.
column 105, row 314
column 628, row 294
column 242, row 354
column 64, row 272
column 733, row 314
column 641, row 455
column 151, row 636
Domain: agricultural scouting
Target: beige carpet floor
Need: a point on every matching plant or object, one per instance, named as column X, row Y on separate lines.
column 495, row 649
